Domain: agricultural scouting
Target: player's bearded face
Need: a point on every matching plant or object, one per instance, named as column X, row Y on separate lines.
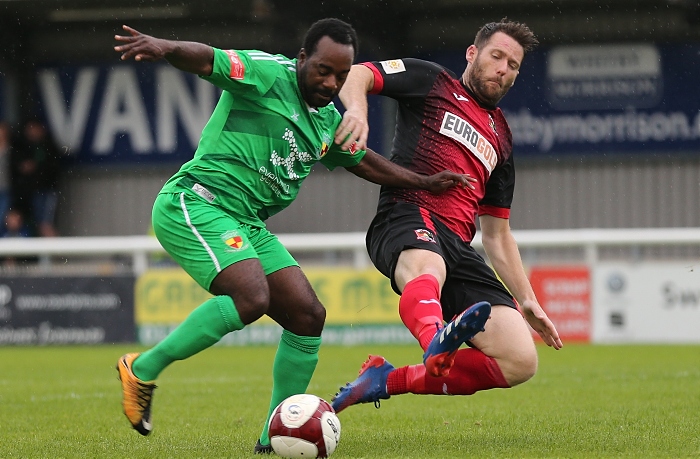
column 493, row 69
column 489, row 89
column 313, row 91
column 321, row 75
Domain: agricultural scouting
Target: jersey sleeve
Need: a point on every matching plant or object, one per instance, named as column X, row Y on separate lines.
column 332, row 155
column 237, row 71
column 339, row 158
column 499, row 191
column 403, row 78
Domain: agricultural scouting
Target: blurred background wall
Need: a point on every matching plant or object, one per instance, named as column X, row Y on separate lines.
column 605, row 113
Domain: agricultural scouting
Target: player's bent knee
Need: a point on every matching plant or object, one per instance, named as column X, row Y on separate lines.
column 252, row 307
column 522, row 368
column 308, row 320
column 315, row 319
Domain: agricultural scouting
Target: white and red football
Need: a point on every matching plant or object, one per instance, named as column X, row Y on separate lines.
column 304, row 425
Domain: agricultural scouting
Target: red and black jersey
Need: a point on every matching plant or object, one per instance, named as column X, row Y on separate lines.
column 439, row 126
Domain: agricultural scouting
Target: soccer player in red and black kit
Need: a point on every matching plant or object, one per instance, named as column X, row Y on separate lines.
column 422, row 241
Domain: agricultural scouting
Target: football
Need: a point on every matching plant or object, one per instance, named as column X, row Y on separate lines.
column 304, row 425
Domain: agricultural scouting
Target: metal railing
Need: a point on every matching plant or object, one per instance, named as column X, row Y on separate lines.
column 139, row 248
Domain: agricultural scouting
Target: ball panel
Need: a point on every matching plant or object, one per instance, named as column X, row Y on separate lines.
column 330, row 424
column 298, row 409
column 293, row 447
column 304, row 425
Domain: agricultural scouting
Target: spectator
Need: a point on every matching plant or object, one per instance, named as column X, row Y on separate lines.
column 15, row 226
column 36, row 168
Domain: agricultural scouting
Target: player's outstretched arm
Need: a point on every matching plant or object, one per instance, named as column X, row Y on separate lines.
column 188, row 56
column 353, row 95
column 502, row 250
column 377, row 169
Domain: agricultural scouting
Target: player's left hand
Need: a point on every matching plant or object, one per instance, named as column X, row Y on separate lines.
column 538, row 320
column 443, row 181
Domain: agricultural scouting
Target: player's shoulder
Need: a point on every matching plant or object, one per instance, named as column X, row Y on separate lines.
column 272, row 62
column 415, row 72
column 501, row 123
column 330, row 113
column 409, row 64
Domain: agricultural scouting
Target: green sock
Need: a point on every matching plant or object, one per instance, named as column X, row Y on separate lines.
column 203, row 328
column 294, row 365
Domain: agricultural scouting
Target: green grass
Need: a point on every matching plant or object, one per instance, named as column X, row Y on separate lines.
column 585, row 402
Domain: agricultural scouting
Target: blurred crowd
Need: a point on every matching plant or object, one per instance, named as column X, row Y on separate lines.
column 30, row 164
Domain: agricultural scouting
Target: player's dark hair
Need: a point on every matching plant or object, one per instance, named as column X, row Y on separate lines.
column 338, row 31
column 516, row 30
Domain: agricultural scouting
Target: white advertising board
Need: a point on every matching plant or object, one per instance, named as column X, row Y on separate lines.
column 646, row 303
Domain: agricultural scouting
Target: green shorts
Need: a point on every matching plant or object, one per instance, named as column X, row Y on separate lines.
column 204, row 239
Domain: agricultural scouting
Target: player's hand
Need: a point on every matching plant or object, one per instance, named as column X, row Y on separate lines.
column 353, row 128
column 443, row 181
column 139, row 46
column 538, row 320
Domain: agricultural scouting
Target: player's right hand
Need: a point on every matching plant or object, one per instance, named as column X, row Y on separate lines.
column 353, row 128
column 139, row 46
column 538, row 320
column 443, row 181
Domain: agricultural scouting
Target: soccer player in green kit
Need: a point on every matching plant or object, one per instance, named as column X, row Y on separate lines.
column 275, row 120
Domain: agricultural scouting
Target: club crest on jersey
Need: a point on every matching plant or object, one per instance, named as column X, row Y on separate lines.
column 353, row 149
column 237, row 67
column 324, row 150
column 393, row 66
column 234, row 240
column 492, row 124
column 425, row 235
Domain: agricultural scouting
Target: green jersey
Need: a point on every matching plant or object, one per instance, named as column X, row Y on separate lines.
column 262, row 139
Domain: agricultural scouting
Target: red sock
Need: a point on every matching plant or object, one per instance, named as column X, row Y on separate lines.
column 420, row 309
column 473, row 371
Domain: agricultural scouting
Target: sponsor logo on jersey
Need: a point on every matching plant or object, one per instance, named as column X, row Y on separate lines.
column 294, row 155
column 203, row 192
column 234, row 240
column 237, row 67
column 460, row 97
column 424, row 235
column 393, row 66
column 275, row 183
column 460, row 130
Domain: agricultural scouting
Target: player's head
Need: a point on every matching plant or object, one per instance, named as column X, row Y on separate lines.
column 495, row 57
column 329, row 49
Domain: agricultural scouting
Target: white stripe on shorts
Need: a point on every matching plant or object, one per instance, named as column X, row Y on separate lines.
column 196, row 233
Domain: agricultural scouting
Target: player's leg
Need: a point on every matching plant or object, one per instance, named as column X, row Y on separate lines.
column 295, row 306
column 191, row 231
column 403, row 246
column 503, row 355
column 419, row 275
column 509, row 342
column 506, row 357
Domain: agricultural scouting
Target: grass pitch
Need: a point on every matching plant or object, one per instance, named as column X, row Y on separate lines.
column 638, row 401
